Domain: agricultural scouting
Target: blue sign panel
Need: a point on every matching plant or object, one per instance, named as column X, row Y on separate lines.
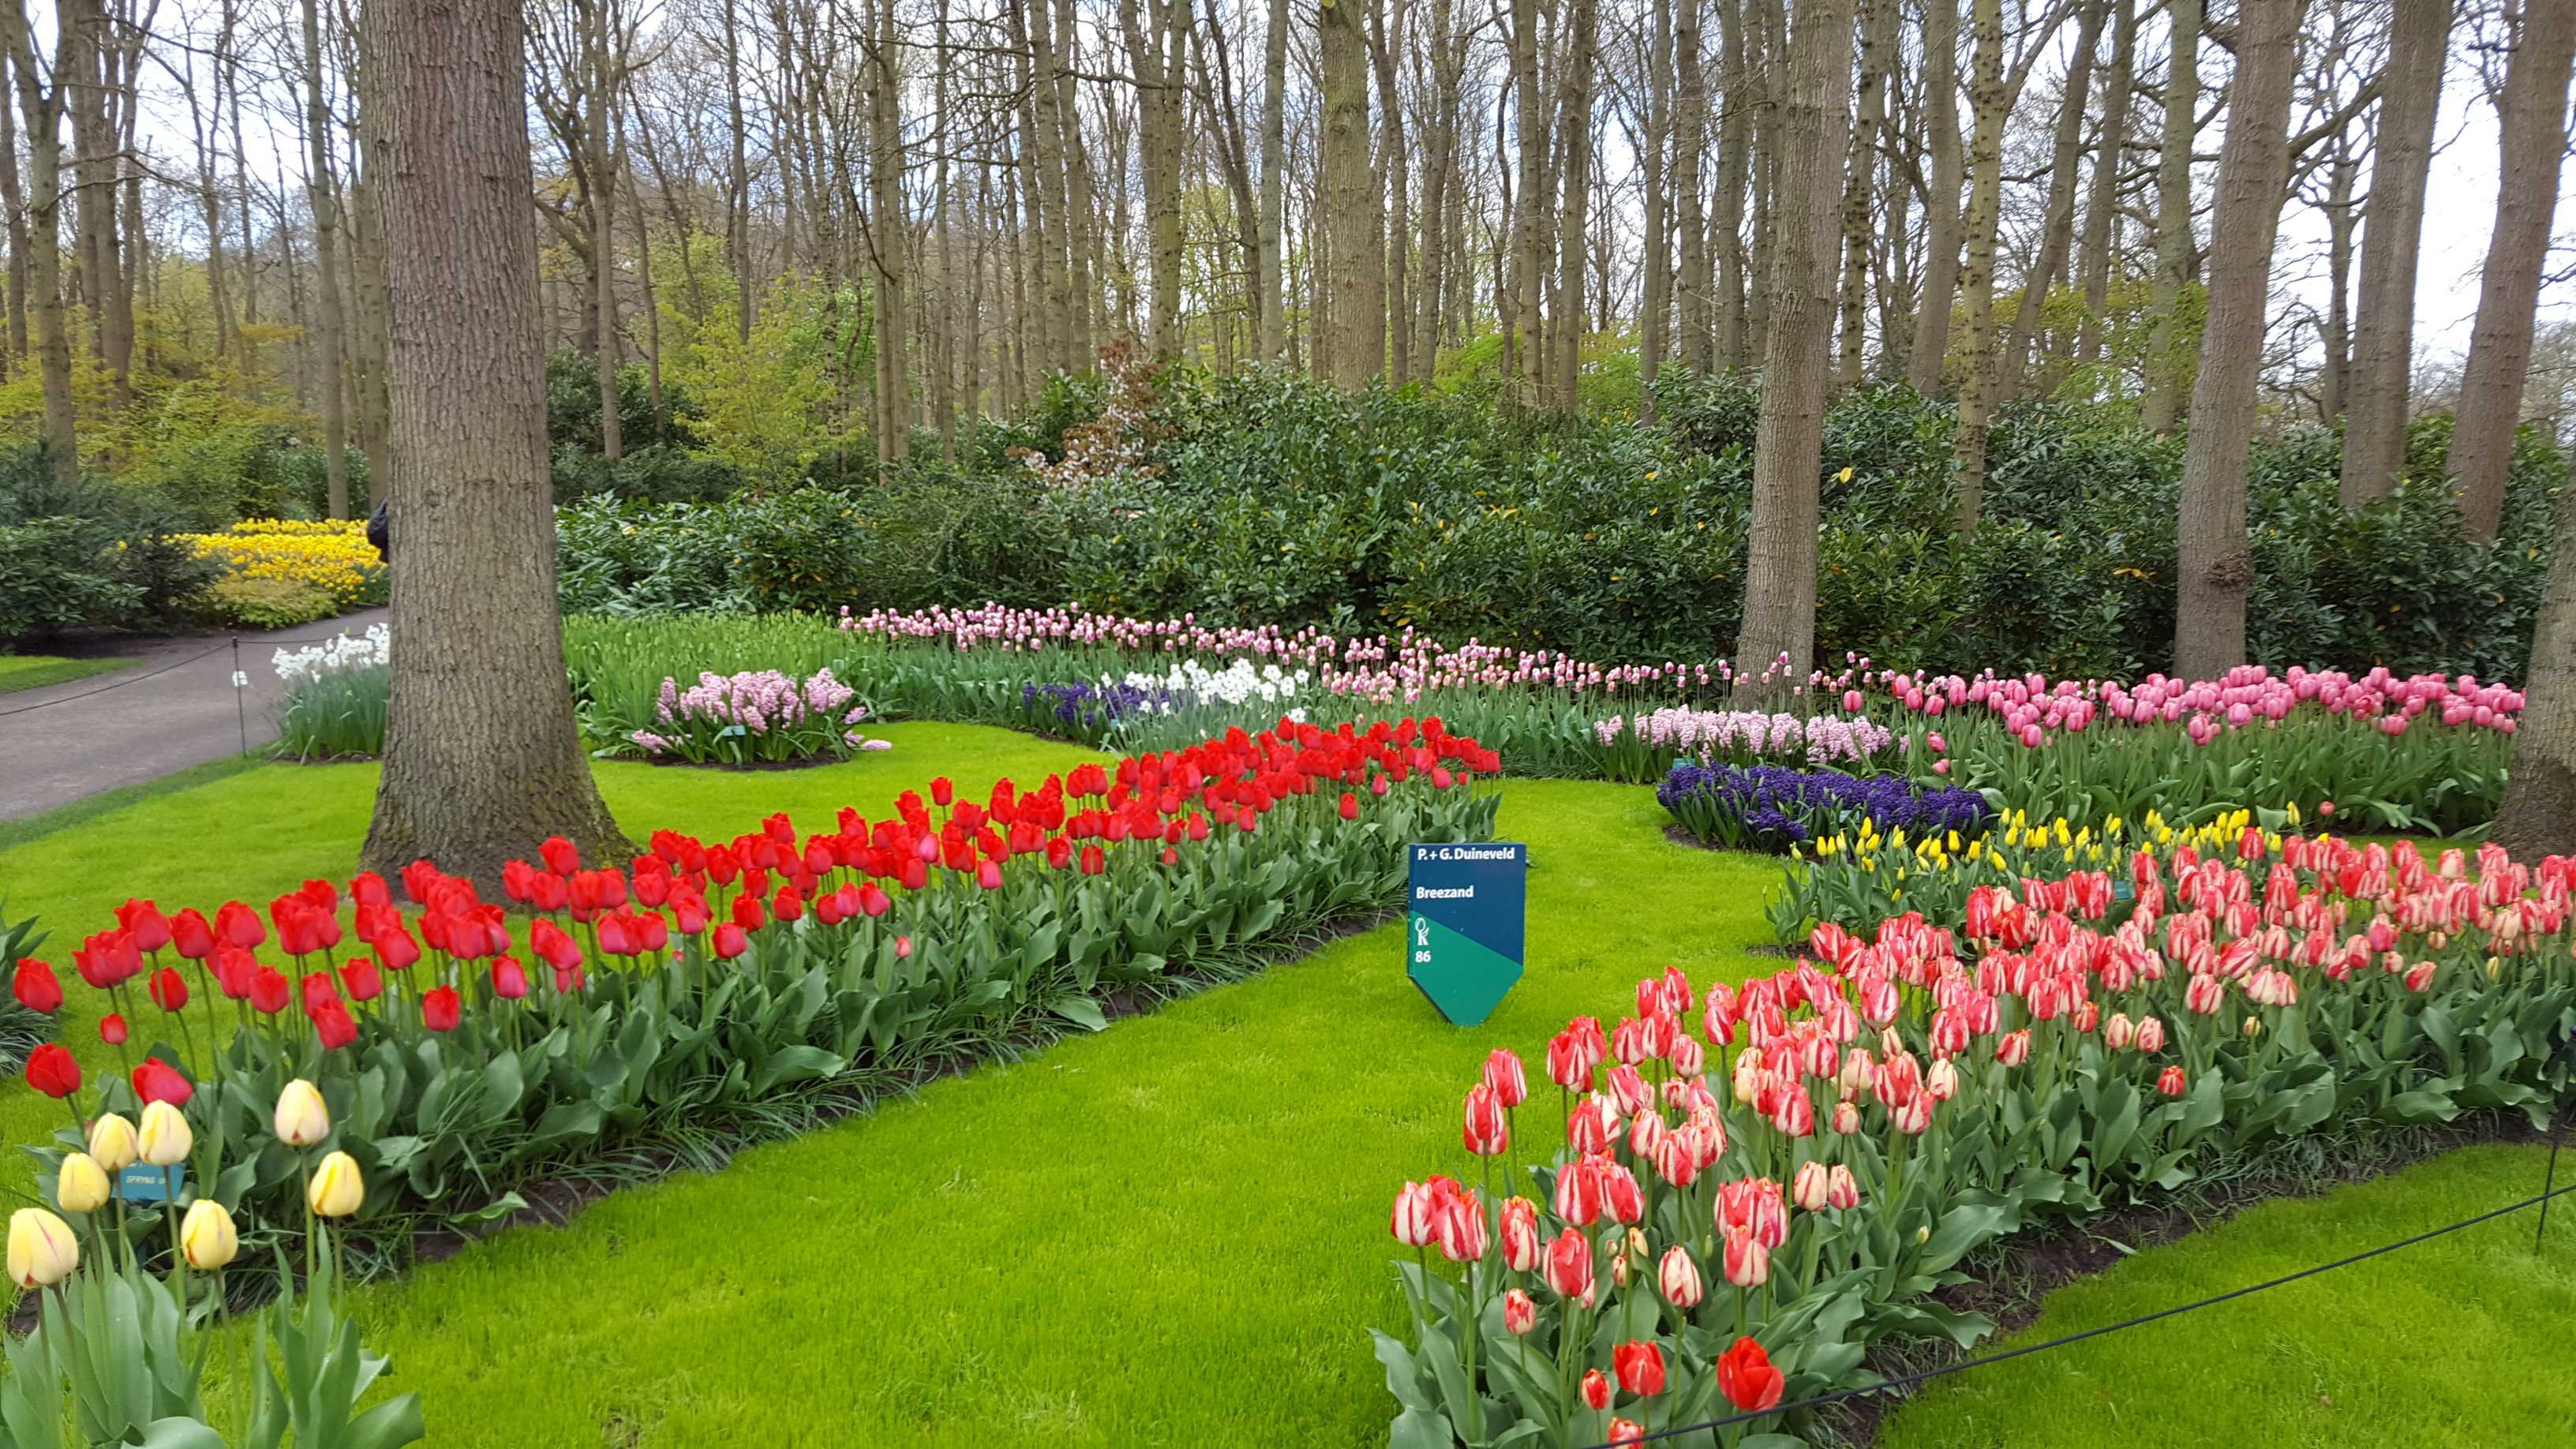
column 142, row 1182
column 1469, row 904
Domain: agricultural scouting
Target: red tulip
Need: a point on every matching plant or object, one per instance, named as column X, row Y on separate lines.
column 1627, row 1431
column 942, row 792
column 36, row 986
column 333, row 1024
column 52, row 1070
column 240, row 925
column 729, row 941
column 362, row 979
column 559, row 855
column 747, row 913
column 1093, row 860
column 1746, row 1377
column 1503, row 1073
column 2170, row 1082
column 1486, row 1133
column 144, row 922
column 367, row 888
column 989, row 875
column 1458, row 1223
column 1520, row 1315
column 169, row 990
column 319, row 990
column 189, row 932
column 1620, row 1195
column 1350, row 806
column 1596, row 1389
column 270, row 990
column 1640, row 1366
column 552, row 944
column 903, row 948
column 111, row 1029
column 1748, row 1263
column 1842, row 1190
column 1411, row 1221
column 1569, row 1266
column 441, row 1008
column 2014, row 1050
column 568, row 980
column 509, row 978
column 1523, row 1248
column 157, row 1081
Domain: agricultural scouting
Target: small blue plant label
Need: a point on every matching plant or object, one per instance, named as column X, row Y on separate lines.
column 142, row 1182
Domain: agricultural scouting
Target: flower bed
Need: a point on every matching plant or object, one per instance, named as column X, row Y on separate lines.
column 1734, row 1215
column 288, row 571
column 1638, row 748
column 710, row 994
column 756, row 716
column 336, row 692
column 1767, row 807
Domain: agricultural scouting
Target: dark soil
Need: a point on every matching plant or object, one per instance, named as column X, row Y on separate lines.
column 808, row 763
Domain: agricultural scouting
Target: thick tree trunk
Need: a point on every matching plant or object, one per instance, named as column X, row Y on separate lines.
column 1689, row 137
column 1941, row 222
column 1989, row 100
column 482, row 758
column 1520, row 345
column 2383, row 344
column 2538, row 817
column 1734, row 174
column 1877, row 41
column 2532, row 143
column 2335, row 375
column 1575, row 175
column 1776, row 647
column 1394, row 337
column 2216, row 566
column 886, row 243
column 1274, row 203
column 2165, row 358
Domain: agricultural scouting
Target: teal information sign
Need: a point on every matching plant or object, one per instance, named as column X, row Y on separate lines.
column 142, row 1182
column 1463, row 940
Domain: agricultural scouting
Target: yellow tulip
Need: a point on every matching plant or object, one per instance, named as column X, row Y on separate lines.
column 338, row 1190
column 111, row 1141
column 42, row 1250
column 302, row 1119
column 80, row 1185
column 207, row 1236
column 166, row 1139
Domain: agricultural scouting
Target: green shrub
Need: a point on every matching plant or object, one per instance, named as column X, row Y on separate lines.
column 267, row 603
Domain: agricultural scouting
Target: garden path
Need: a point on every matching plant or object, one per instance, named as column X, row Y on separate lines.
column 69, row 741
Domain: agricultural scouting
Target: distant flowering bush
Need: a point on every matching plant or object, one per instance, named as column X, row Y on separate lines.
column 1767, row 807
column 328, row 556
column 756, row 716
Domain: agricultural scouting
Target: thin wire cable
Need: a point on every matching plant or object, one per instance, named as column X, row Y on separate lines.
column 1908, row 1380
column 123, row 680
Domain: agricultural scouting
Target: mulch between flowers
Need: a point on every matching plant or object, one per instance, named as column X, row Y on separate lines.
column 2035, row 1264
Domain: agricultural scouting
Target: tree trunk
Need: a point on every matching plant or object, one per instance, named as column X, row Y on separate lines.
column 2334, row 377
column 2216, row 566
column 885, row 241
column 13, row 201
column 2532, row 122
column 2538, row 817
column 2102, row 208
column 1734, row 174
column 482, row 757
column 326, row 246
column 1988, row 100
column 2058, row 229
column 1274, row 201
column 1576, row 177
column 2383, row 344
column 2165, row 356
column 1689, row 136
column 1776, row 648
column 1520, row 343
column 1941, row 224
column 737, row 181
column 41, row 107
column 1877, row 41
column 1343, row 55
column 1656, row 304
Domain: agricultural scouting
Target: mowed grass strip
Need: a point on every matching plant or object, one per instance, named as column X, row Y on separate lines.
column 35, row 671
column 2464, row 1340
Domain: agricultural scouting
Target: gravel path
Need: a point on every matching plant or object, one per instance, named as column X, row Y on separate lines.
column 66, row 742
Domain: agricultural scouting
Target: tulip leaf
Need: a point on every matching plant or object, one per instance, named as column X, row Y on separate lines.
column 180, row 1433
column 1082, row 1011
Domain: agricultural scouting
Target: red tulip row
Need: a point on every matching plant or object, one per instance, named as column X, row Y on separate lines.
column 1881, row 1111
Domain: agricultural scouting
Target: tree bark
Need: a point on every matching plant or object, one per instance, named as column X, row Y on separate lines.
column 41, row 107
column 2532, row 142
column 1989, row 101
column 2538, row 817
column 2058, row 228
column 2173, row 215
column 1347, row 181
column 2215, row 562
column 482, row 757
column 1877, row 22
column 2383, row 344
column 1274, row 200
column 1575, row 175
column 1734, row 174
column 326, row 246
column 1655, row 306
column 1689, row 136
column 2102, row 208
column 1941, row 222
column 1776, row 648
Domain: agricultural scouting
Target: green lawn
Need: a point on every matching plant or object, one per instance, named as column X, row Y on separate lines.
column 1175, row 1232
column 35, row 671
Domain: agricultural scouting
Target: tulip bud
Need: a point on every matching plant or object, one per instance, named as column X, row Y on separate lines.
column 2253, row 1026
column 1941, row 1083
column 301, row 1118
column 207, row 1236
column 80, row 1185
column 165, row 1139
column 337, row 1189
column 1640, row 1367
column 1846, row 1119
column 111, row 1141
column 2170, row 1082
column 1596, row 1388
column 2151, row 1035
column 1520, row 1314
column 1807, row 1189
column 42, row 1250
column 1842, row 1190
column 1679, row 1279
